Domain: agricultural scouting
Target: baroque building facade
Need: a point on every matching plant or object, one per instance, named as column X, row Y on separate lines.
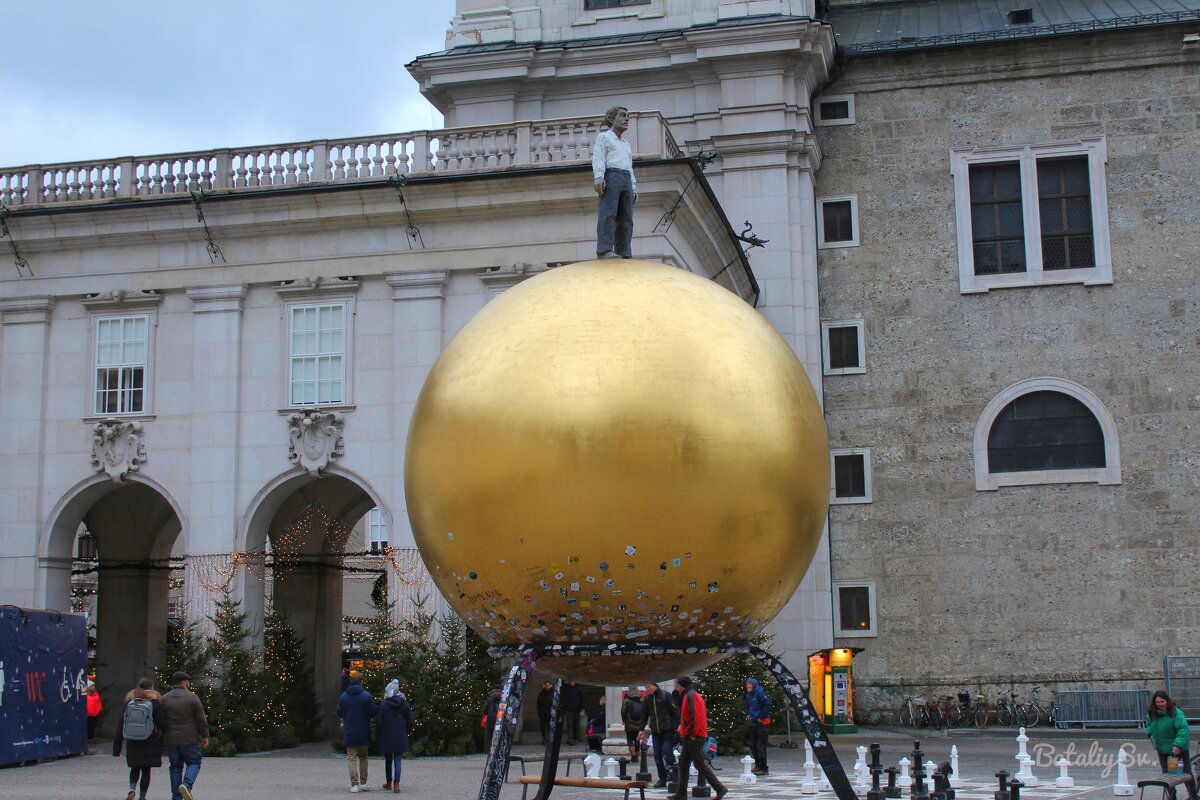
column 977, row 238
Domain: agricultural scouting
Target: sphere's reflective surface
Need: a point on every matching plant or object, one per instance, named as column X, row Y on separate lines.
column 617, row 451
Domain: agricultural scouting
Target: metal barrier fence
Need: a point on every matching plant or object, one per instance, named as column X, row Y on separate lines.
column 1182, row 678
column 1097, row 707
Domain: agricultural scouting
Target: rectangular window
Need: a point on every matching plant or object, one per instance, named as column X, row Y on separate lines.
column 377, row 535
column 122, row 354
column 851, row 476
column 597, row 5
column 843, row 347
column 318, row 354
column 854, row 608
column 1034, row 215
column 835, row 110
column 837, row 221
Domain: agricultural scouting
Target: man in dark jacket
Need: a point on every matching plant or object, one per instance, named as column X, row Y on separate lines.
column 187, row 734
column 663, row 721
column 573, row 700
column 758, row 712
column 356, row 708
column 693, row 735
column 545, row 699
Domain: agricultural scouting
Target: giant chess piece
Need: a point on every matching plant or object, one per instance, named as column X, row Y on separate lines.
column 1002, row 792
column 892, row 792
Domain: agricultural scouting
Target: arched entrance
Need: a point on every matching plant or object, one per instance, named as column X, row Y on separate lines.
column 306, row 520
column 135, row 524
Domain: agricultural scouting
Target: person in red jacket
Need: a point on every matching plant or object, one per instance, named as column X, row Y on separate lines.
column 93, row 715
column 693, row 737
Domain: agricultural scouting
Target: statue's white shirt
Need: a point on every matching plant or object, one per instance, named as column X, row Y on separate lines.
column 612, row 152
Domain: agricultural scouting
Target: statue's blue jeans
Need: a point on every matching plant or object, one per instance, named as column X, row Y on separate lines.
column 614, row 225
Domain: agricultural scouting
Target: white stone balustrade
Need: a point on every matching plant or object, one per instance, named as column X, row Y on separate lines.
column 421, row 153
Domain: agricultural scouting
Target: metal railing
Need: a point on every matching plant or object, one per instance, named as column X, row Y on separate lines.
column 1181, row 676
column 421, row 153
column 1099, row 707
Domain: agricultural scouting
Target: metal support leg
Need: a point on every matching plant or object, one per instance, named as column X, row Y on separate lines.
column 810, row 722
column 553, row 744
column 495, row 772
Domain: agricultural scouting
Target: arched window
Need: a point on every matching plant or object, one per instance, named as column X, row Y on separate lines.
column 1045, row 430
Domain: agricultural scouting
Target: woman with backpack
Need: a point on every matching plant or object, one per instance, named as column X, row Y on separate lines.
column 140, row 728
column 633, row 715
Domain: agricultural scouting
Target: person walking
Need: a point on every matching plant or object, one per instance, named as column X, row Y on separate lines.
column 597, row 727
column 1167, row 728
column 356, row 709
column 612, row 178
column 693, row 736
column 392, row 724
column 186, row 735
column 545, row 699
column 94, row 707
column 758, row 712
column 140, row 730
column 662, row 721
column 633, row 717
column 491, row 707
column 573, row 701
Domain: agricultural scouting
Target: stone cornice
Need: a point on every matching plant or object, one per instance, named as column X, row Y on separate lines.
column 421, row 285
column 216, row 299
column 317, row 286
column 120, row 300
column 26, row 310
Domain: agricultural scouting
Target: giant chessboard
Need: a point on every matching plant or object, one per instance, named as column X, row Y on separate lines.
column 787, row 785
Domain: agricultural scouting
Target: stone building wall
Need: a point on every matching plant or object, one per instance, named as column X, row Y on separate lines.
column 1034, row 585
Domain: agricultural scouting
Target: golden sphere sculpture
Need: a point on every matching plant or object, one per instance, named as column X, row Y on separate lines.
column 617, row 451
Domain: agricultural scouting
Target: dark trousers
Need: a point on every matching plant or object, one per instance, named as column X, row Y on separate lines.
column 91, row 725
column 572, row 729
column 139, row 777
column 758, row 745
column 693, row 753
column 392, row 763
column 664, row 754
column 614, row 224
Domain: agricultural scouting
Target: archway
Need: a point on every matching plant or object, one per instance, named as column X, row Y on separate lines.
column 135, row 524
column 304, row 522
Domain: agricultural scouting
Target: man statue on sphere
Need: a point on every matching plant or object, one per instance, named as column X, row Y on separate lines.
column 612, row 175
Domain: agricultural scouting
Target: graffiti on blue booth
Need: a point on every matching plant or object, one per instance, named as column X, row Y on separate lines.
column 43, row 680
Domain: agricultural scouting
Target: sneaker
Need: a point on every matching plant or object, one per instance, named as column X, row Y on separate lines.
column 724, row 790
column 362, row 787
column 185, row 791
column 610, row 254
column 354, row 788
column 131, row 795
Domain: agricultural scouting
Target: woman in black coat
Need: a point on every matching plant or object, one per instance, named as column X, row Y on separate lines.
column 393, row 721
column 141, row 755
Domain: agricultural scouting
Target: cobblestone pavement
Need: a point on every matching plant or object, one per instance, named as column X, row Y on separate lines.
column 314, row 771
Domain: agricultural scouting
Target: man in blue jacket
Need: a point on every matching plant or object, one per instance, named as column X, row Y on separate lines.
column 758, row 712
column 356, row 708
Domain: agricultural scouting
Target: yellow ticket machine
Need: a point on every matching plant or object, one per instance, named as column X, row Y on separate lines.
column 831, row 687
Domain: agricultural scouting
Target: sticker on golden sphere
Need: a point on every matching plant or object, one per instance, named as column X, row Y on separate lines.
column 617, row 452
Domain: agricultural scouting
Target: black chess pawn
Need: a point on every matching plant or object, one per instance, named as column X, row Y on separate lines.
column 1002, row 792
column 673, row 779
column 644, row 772
column 892, row 792
column 624, row 762
column 701, row 789
column 1014, row 789
column 875, row 793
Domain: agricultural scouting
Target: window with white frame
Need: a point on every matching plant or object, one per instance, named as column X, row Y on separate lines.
column 1031, row 215
column 851, row 476
column 854, row 609
column 122, row 361
column 1045, row 431
column 318, row 354
column 377, row 535
column 843, row 347
column 837, row 221
column 835, row 109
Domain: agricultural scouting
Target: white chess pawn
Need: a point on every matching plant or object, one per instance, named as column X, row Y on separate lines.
column 905, row 780
column 747, row 775
column 610, row 767
column 823, row 782
column 1063, row 781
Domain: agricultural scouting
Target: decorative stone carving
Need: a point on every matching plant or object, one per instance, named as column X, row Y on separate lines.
column 316, row 439
column 316, row 284
column 121, row 298
column 117, row 447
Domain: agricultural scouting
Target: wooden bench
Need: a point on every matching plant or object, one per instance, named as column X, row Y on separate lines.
column 538, row 759
column 1168, row 782
column 587, row 783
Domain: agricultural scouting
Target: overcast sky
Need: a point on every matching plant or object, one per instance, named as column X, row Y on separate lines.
column 84, row 79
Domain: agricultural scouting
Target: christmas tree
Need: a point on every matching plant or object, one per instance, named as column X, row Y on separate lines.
column 237, row 719
column 723, row 686
column 290, row 690
column 183, row 651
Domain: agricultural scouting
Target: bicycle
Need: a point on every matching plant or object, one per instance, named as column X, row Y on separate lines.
column 964, row 712
column 981, row 712
column 1035, row 711
column 913, row 713
column 1006, row 709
